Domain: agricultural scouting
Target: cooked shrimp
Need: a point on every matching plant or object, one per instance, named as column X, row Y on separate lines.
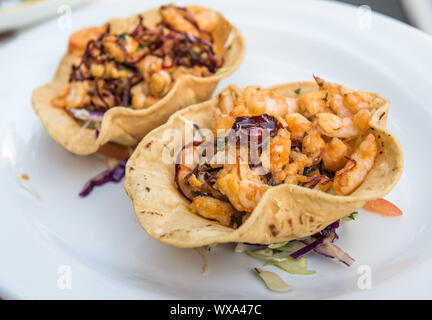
column 338, row 106
column 333, row 97
column 223, row 115
column 111, row 71
column 213, row 209
column 280, row 148
column 347, row 127
column 120, row 48
column 324, row 184
column 185, row 176
column 194, row 175
column 182, row 174
column 149, row 65
column 207, row 20
column 313, row 102
column 199, row 71
column 223, row 123
column 355, row 171
column 160, row 83
column 226, row 102
column 174, row 18
column 356, row 101
column 78, row 40
column 361, row 120
column 294, row 171
column 242, row 186
column 104, row 99
column 298, row 124
column 73, row 95
column 313, row 145
column 59, row 101
column 344, row 104
column 97, row 70
column 292, row 104
column 260, row 101
column 138, row 96
column 335, row 153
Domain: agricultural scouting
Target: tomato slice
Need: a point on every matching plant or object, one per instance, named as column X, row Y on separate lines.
column 383, row 207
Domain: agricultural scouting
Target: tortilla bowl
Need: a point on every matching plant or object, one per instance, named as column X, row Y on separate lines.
column 285, row 212
column 127, row 126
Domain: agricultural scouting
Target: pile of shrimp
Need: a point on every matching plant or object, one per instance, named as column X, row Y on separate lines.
column 131, row 65
column 319, row 141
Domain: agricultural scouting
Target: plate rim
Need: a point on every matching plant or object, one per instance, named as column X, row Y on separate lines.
column 9, row 293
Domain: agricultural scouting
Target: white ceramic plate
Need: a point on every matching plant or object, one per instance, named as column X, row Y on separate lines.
column 98, row 238
column 16, row 15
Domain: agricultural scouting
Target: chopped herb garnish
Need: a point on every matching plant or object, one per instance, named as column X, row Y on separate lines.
column 320, row 84
column 283, row 167
column 308, row 170
column 200, row 194
column 123, row 36
column 326, row 97
column 321, row 165
column 224, row 198
column 196, row 55
column 305, row 134
column 297, row 91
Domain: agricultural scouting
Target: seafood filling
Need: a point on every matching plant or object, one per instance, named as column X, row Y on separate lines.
column 131, row 65
column 317, row 139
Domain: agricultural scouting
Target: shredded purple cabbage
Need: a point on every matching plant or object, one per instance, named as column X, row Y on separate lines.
column 319, row 237
column 322, row 243
column 111, row 175
column 332, row 251
column 86, row 115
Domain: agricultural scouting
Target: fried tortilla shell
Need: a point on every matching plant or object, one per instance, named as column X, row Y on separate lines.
column 127, row 126
column 285, row 211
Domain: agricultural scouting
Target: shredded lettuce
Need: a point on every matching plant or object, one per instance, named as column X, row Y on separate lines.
column 290, row 265
column 289, row 255
column 203, row 253
column 211, row 247
column 292, row 246
column 23, row 184
column 273, row 281
column 351, row 216
column 221, row 70
column 267, row 254
column 239, row 248
column 277, row 245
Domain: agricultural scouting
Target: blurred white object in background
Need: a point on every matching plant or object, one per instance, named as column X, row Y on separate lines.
column 420, row 13
column 15, row 14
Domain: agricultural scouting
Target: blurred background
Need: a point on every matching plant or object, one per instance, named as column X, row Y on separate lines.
column 417, row 13
column 18, row 14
